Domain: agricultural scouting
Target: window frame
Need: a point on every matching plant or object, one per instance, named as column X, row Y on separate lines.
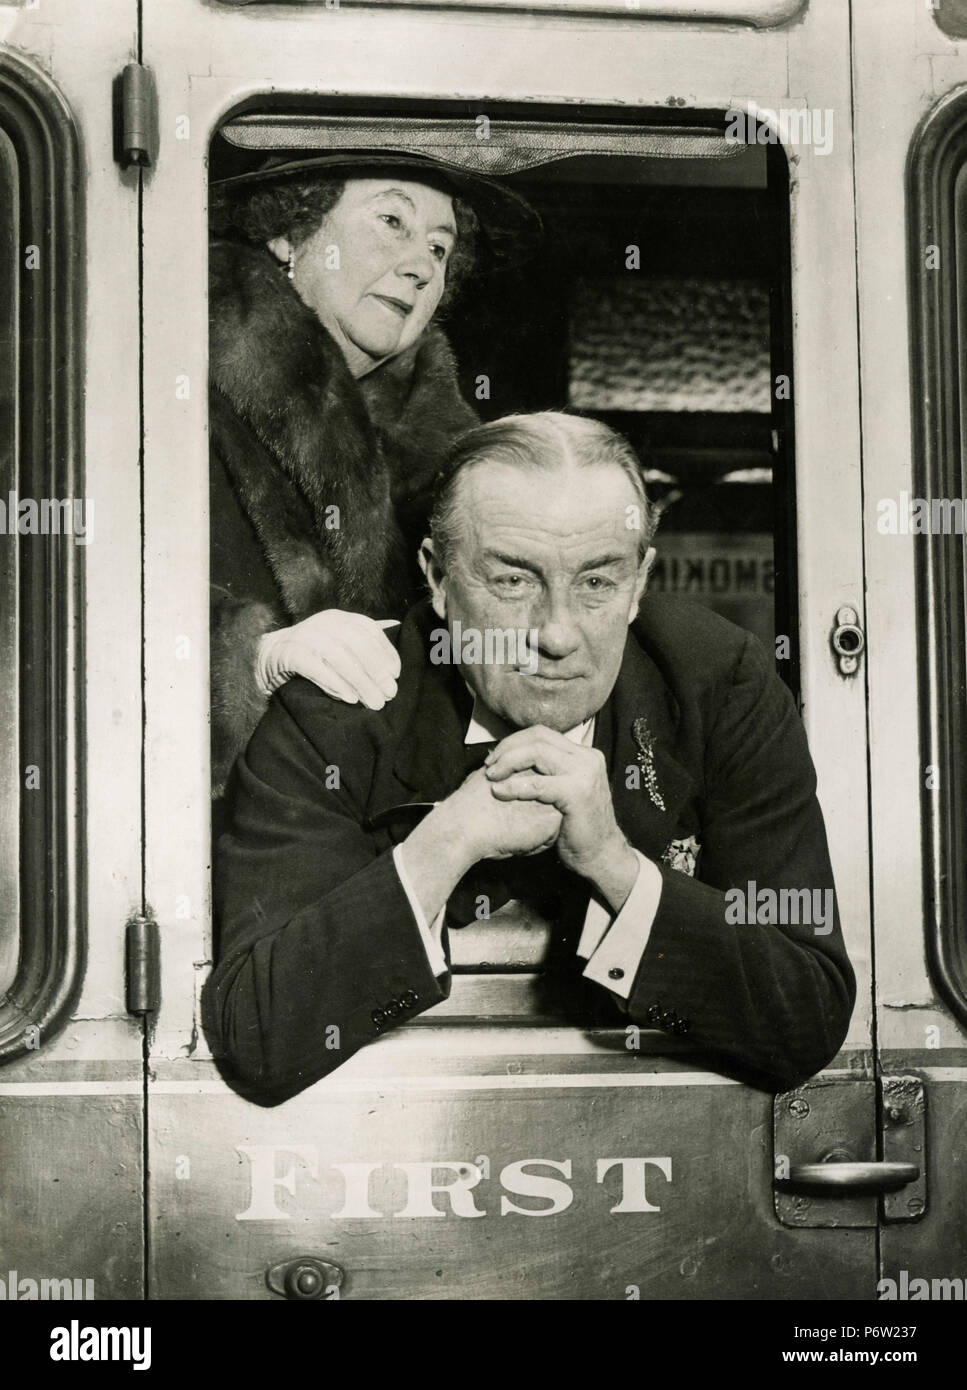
column 937, row 159
column 499, row 989
column 49, row 592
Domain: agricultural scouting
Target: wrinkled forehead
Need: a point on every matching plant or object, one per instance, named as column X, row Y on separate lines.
column 548, row 506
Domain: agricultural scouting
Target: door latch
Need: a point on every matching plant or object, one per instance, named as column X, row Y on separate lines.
column 848, row 640
column 831, row 1167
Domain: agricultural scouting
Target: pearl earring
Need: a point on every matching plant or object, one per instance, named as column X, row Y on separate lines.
column 290, row 269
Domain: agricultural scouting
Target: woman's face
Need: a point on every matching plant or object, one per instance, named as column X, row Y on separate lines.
column 375, row 269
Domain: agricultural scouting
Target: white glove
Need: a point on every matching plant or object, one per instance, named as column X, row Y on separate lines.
column 344, row 653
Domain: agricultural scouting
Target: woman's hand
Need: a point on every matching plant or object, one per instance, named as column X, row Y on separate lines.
column 345, row 654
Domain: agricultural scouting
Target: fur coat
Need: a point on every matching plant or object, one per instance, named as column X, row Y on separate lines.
column 320, row 484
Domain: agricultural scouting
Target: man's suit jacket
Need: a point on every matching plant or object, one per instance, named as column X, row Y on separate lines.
column 316, row 929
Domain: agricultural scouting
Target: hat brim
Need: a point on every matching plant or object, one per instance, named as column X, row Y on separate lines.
column 511, row 227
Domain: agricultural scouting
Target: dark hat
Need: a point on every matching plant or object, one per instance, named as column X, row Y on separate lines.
column 509, row 224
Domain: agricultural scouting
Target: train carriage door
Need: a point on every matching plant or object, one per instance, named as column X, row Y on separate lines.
column 912, row 159
column 656, row 1176
column 71, row 1069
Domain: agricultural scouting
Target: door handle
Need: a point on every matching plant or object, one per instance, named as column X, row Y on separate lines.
column 850, row 1178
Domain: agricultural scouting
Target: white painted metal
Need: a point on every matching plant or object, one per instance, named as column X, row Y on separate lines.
column 206, row 64
column 82, row 60
column 924, row 65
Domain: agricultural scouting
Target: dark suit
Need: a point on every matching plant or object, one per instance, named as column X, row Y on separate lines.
column 316, row 928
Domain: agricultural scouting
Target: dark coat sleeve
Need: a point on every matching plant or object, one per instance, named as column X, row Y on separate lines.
column 773, row 1000
column 316, row 931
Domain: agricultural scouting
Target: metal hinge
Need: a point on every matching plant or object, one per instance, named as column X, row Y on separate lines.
column 136, row 115
column 142, row 965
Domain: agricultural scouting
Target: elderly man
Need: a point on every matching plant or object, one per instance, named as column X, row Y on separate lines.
column 650, row 782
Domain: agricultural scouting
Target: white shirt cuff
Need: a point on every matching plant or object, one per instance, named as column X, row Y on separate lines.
column 432, row 935
column 614, row 945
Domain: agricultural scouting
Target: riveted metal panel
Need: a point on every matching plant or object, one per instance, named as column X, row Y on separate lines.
column 929, row 1241
column 71, row 1179
column 237, row 1189
column 71, row 1135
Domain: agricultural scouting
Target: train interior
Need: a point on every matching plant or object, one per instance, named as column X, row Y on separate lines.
column 658, row 302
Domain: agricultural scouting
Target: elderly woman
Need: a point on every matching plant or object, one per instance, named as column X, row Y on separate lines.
column 333, row 401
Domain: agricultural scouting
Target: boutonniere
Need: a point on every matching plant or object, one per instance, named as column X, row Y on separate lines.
column 682, row 855
column 645, row 757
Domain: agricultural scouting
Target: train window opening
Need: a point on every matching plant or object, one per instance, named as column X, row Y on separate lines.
column 45, row 523
column 657, row 302
column 648, row 311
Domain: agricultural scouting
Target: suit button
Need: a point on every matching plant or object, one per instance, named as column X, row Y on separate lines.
column 616, row 973
column 408, row 998
column 653, row 1016
column 668, row 1019
column 378, row 1017
column 393, row 1009
column 682, row 1026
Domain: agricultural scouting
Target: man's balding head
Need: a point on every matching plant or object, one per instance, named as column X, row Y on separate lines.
column 547, row 440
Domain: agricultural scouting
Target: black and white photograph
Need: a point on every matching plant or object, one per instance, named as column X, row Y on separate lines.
column 483, row 668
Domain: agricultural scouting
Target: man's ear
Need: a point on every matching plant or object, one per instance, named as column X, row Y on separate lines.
column 281, row 248
column 641, row 581
column 435, row 577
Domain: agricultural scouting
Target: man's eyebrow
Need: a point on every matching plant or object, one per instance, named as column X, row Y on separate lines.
column 398, row 193
column 514, row 560
column 602, row 562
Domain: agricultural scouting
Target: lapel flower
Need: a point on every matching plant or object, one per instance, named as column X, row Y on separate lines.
column 645, row 757
column 682, row 855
